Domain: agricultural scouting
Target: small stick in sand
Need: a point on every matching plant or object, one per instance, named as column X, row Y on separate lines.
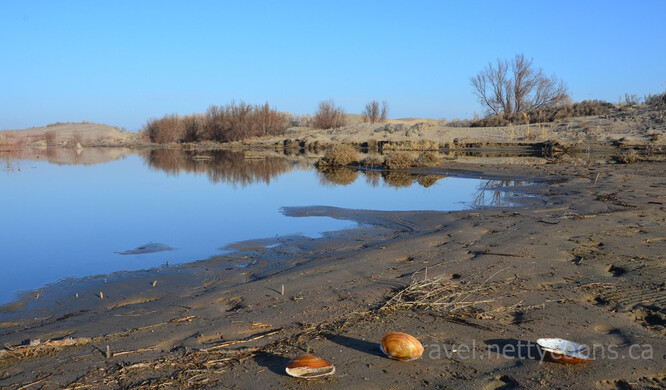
column 101, row 295
column 108, row 352
column 283, row 289
column 597, row 178
column 154, row 283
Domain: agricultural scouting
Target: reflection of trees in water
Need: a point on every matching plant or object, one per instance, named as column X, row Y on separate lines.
column 428, row 180
column 496, row 188
column 372, row 177
column 59, row 155
column 398, row 179
column 340, row 176
column 346, row 176
column 219, row 165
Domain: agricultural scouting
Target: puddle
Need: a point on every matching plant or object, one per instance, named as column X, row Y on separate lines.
column 79, row 216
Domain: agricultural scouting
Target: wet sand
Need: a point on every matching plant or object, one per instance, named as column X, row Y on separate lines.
column 581, row 259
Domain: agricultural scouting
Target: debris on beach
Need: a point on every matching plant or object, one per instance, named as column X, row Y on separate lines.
column 308, row 366
column 401, row 346
column 36, row 347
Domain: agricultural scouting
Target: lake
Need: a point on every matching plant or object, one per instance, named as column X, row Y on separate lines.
column 71, row 213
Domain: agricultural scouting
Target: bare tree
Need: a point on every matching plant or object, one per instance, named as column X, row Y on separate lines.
column 373, row 113
column 517, row 86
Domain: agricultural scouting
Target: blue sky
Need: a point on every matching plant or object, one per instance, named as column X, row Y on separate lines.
column 122, row 62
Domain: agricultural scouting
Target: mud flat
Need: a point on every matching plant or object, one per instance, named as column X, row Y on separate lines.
column 581, row 259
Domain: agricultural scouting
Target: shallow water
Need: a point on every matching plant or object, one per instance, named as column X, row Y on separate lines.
column 140, row 210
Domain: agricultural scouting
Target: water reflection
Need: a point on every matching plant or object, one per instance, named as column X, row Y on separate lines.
column 494, row 192
column 221, row 166
column 330, row 176
column 11, row 157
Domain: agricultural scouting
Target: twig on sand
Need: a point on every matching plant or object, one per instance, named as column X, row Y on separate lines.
column 35, row 382
column 245, row 340
column 140, row 350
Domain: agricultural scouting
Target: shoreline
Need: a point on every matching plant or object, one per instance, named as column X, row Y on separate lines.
column 546, row 273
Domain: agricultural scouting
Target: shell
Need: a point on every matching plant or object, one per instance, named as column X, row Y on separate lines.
column 563, row 351
column 401, row 346
column 309, row 366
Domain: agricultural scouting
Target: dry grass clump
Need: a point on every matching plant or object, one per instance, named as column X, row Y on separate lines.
column 397, row 161
column 373, row 161
column 555, row 148
column 339, row 155
column 445, row 294
column 628, row 156
column 328, row 116
column 426, row 159
column 233, row 122
column 438, row 294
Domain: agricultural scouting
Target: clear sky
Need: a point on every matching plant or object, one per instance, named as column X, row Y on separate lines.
column 122, row 62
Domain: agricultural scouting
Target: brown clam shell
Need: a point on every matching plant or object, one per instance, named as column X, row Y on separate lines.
column 309, row 366
column 401, row 346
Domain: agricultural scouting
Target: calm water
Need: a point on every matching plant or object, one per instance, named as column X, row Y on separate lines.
column 65, row 219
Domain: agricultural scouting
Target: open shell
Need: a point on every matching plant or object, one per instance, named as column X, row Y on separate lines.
column 564, row 351
column 401, row 346
column 309, row 366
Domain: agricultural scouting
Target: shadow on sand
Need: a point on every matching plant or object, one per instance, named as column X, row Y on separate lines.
column 513, row 348
column 355, row 344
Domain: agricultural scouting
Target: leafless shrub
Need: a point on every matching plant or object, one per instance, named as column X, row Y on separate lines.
column 632, row 99
column 270, row 121
column 339, row 155
column 166, row 130
column 374, row 113
column 233, row 122
column 195, row 128
column 328, row 116
column 517, row 86
column 656, row 100
column 397, row 161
